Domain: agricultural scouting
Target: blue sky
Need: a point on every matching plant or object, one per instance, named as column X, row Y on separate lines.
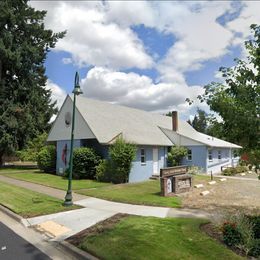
column 145, row 54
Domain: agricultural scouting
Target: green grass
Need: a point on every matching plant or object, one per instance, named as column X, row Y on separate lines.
column 51, row 180
column 201, row 177
column 146, row 193
column 29, row 203
column 154, row 238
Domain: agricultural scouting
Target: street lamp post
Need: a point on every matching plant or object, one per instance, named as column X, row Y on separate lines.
column 76, row 91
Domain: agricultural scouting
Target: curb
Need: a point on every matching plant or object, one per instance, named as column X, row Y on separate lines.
column 78, row 253
column 11, row 214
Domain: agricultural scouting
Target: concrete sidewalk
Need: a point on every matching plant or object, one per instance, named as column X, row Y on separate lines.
column 237, row 178
column 65, row 224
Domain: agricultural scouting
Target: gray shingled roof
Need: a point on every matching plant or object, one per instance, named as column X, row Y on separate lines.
column 107, row 121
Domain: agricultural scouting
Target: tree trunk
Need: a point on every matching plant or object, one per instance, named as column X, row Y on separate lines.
column 0, row 70
column 1, row 159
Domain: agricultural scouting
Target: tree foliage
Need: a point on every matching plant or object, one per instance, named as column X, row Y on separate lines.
column 117, row 167
column 46, row 159
column 176, row 154
column 199, row 122
column 85, row 161
column 26, row 106
column 30, row 153
column 237, row 99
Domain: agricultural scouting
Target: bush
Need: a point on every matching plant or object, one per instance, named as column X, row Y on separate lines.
column 231, row 235
column 229, row 171
column 85, row 161
column 240, row 169
column 242, row 232
column 121, row 155
column 30, row 153
column 117, row 168
column 255, row 250
column 103, row 171
column 176, row 154
column 46, row 159
column 234, row 170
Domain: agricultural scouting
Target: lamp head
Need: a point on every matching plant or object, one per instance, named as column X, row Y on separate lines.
column 77, row 90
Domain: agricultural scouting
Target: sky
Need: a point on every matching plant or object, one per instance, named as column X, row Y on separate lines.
column 150, row 55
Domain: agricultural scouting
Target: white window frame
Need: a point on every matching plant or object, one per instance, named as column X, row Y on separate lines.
column 210, row 158
column 143, row 155
column 219, row 155
column 189, row 155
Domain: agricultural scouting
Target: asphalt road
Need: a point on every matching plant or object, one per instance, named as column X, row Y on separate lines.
column 13, row 247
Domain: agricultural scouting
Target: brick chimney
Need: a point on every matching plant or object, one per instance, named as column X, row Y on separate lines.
column 174, row 121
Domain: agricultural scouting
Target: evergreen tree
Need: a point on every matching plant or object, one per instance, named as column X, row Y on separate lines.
column 199, row 121
column 25, row 104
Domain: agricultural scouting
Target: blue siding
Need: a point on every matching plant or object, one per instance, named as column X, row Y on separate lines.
column 142, row 172
column 102, row 150
column 60, row 165
column 215, row 164
column 199, row 155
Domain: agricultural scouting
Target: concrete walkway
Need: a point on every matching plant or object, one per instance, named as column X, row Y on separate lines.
column 237, row 178
column 94, row 210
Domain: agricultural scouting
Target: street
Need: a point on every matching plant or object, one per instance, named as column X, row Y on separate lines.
column 15, row 247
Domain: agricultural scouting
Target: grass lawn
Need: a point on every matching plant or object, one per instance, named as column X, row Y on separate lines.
column 146, row 193
column 29, row 203
column 154, row 238
column 51, row 180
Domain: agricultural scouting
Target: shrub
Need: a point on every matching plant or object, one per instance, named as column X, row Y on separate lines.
column 231, row 235
column 234, row 170
column 121, row 155
column 116, row 169
column 240, row 169
column 30, row 153
column 85, row 161
column 194, row 170
column 46, row 159
column 242, row 232
column 229, row 171
column 176, row 154
column 255, row 250
column 103, row 171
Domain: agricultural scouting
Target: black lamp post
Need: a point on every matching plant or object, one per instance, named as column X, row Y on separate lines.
column 76, row 91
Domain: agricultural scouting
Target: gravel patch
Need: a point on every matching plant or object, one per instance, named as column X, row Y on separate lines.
column 230, row 195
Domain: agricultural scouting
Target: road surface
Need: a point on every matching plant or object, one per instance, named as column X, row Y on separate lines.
column 14, row 247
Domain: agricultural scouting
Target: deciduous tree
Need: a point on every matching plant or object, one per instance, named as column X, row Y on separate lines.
column 237, row 99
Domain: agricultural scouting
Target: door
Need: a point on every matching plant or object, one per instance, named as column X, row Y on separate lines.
column 155, row 161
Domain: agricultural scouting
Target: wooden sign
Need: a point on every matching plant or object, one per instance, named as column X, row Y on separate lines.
column 175, row 180
column 170, row 171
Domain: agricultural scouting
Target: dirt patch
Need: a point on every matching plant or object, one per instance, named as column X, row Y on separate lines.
column 96, row 229
column 230, row 196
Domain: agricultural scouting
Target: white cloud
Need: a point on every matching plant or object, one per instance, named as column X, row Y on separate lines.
column 240, row 26
column 58, row 94
column 200, row 39
column 100, row 34
column 92, row 40
column 137, row 91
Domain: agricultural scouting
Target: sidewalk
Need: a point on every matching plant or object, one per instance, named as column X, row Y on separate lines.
column 236, row 178
column 65, row 224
